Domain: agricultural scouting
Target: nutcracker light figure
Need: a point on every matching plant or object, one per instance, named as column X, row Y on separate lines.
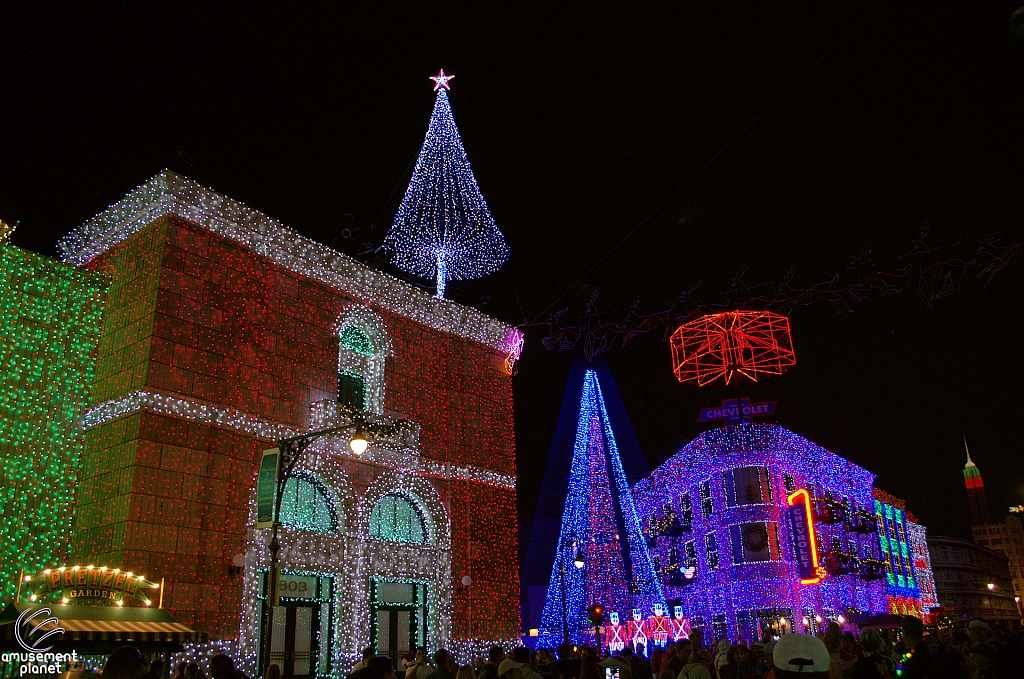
column 615, row 633
column 680, row 625
column 638, row 632
column 658, row 626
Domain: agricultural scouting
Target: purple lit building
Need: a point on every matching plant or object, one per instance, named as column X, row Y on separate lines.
column 715, row 520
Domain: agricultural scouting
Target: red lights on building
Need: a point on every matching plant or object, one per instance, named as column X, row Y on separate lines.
column 226, row 332
column 749, row 343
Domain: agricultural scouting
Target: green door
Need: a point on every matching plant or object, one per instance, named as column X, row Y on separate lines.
column 398, row 615
column 293, row 639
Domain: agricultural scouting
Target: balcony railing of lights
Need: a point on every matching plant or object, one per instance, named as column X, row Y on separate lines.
column 396, row 432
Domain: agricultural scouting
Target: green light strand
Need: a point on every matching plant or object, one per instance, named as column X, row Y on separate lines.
column 49, row 331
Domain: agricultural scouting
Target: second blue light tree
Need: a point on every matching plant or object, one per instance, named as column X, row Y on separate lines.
column 601, row 556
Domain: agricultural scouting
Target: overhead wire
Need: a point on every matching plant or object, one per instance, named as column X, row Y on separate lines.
column 713, row 158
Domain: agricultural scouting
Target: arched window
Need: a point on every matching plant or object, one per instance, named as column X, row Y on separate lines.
column 306, row 506
column 363, row 347
column 355, row 338
column 397, row 519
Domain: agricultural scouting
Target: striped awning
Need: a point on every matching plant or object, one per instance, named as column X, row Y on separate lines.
column 101, row 624
column 126, row 631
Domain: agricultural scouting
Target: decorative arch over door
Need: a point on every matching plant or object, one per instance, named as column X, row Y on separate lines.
column 403, row 588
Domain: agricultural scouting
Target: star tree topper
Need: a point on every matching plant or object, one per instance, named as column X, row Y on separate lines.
column 443, row 229
column 441, row 80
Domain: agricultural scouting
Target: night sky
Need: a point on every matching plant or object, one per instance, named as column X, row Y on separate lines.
column 579, row 125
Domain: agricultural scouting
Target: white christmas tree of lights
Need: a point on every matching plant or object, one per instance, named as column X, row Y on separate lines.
column 443, row 228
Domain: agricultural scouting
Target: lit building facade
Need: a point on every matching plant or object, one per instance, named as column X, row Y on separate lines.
column 972, row 581
column 1006, row 538
column 903, row 587
column 228, row 331
column 719, row 520
column 918, row 536
column 51, row 316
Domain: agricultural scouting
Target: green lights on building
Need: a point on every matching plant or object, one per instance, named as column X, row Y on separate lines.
column 892, row 536
column 51, row 319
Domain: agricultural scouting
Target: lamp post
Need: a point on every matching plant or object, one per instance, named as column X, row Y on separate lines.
column 579, row 563
column 290, row 451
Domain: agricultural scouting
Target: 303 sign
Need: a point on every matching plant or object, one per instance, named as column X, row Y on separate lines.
column 296, row 587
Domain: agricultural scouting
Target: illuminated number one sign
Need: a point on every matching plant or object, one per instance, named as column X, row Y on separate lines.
column 801, row 527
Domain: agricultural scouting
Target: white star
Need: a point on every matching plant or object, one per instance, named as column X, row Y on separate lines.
column 441, row 80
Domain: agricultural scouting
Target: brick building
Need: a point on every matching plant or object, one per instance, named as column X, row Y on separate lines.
column 227, row 331
column 50, row 316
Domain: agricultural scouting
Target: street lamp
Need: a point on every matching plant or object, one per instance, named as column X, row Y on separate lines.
column 579, row 563
column 291, row 451
column 358, row 443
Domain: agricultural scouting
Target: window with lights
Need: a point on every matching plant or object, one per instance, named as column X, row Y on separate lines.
column 305, row 505
column 363, row 348
column 707, row 504
column 747, row 486
column 685, row 512
column 754, row 541
column 396, row 518
column 711, row 549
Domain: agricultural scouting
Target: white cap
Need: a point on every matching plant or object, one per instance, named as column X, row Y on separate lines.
column 800, row 653
column 508, row 664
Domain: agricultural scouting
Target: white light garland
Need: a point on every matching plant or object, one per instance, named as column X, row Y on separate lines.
column 201, row 654
column 169, row 193
column 388, row 454
column 465, row 650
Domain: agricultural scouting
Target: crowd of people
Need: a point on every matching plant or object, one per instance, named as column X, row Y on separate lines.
column 902, row 653
column 127, row 662
column 906, row 653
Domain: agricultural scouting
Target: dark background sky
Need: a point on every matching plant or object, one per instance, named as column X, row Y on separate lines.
column 578, row 124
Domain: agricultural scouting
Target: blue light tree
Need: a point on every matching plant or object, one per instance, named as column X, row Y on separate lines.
column 599, row 523
column 443, row 229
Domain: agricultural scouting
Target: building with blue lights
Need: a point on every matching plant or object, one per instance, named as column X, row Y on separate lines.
column 746, row 532
column 736, row 549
